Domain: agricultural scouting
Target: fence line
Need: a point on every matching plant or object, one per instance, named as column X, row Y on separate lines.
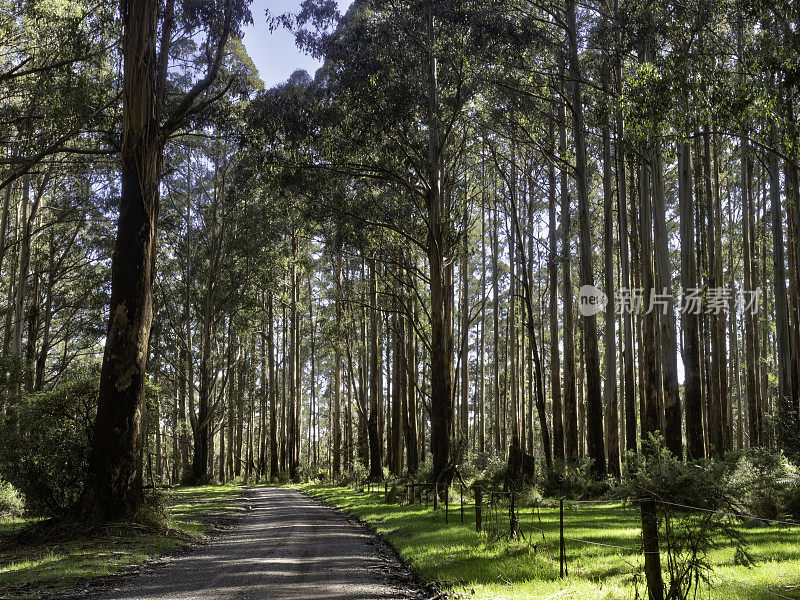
column 574, row 539
column 514, row 516
column 729, row 514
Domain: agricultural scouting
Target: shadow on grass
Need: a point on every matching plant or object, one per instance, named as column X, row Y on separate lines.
column 455, row 553
column 66, row 556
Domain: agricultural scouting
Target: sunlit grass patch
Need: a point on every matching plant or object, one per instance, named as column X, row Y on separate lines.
column 37, row 569
column 483, row 566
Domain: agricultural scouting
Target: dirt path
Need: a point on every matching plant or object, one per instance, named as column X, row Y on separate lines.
column 288, row 547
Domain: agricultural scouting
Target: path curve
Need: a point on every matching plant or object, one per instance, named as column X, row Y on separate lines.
column 288, row 547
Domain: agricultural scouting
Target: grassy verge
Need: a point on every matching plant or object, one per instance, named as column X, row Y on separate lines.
column 483, row 566
column 53, row 562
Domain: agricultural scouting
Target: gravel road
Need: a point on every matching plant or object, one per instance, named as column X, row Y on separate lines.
column 287, row 547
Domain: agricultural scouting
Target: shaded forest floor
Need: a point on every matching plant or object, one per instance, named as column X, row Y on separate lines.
column 37, row 562
column 604, row 557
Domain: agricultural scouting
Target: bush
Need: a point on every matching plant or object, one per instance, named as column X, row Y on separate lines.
column 655, row 472
column 573, row 480
column 45, row 456
column 357, row 474
column 688, row 536
column 12, row 504
column 786, row 425
column 768, row 484
column 12, row 373
column 488, row 470
column 392, row 495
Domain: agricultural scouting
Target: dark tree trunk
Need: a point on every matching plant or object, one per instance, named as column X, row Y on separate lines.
column 440, row 282
column 114, row 484
column 570, row 384
column 555, row 357
column 669, row 357
column 693, row 388
column 594, row 397
column 375, row 466
column 114, row 488
column 628, row 374
column 610, row 389
column 410, row 414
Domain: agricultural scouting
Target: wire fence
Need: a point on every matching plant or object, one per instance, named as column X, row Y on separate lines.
column 490, row 504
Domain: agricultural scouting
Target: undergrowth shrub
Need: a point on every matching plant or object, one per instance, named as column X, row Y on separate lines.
column 656, row 473
column 488, row 470
column 12, row 504
column 572, row 480
column 392, row 495
column 687, row 536
column 767, row 484
column 46, row 455
column 153, row 513
column 358, row 473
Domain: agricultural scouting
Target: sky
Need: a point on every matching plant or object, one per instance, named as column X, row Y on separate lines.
column 275, row 54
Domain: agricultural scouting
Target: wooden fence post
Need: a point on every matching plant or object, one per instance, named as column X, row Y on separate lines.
column 652, row 557
column 478, row 508
column 561, row 557
column 446, row 504
column 435, row 496
column 514, row 529
column 461, row 491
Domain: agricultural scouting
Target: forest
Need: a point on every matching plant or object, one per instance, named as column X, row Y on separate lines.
column 540, row 247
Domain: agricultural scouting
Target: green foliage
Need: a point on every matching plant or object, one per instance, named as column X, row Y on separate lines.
column 572, row 480
column 45, row 454
column 688, row 536
column 12, row 372
column 355, row 475
column 392, row 495
column 153, row 513
column 657, row 473
column 486, row 469
column 12, row 503
column 766, row 484
column 786, row 424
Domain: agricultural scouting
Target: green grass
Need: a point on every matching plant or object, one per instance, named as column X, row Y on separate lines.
column 484, row 566
column 40, row 568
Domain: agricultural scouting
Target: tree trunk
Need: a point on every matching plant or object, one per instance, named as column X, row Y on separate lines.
column 669, row 357
column 594, row 398
column 465, row 278
column 337, row 377
column 496, row 331
column 114, row 487
column 410, row 415
column 440, row 288
column 555, row 357
column 786, row 389
column 610, row 389
column 570, row 384
column 399, row 393
column 375, row 466
column 482, row 356
column 693, row 388
column 651, row 415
